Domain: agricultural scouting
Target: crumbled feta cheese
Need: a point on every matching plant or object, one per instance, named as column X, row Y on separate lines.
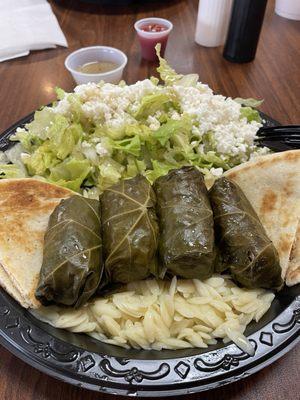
column 196, row 131
column 92, row 193
column 110, row 104
column 101, row 150
column 201, row 148
column 87, row 91
column 217, row 172
column 231, row 136
column 261, row 151
column 19, row 130
column 153, row 122
column 175, row 115
column 62, row 107
column 89, row 151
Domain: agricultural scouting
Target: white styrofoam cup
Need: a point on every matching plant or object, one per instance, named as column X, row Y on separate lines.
column 96, row 53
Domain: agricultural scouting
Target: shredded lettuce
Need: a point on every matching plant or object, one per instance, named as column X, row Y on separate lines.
column 169, row 76
column 211, row 159
column 159, row 169
column 172, row 128
column 248, row 110
column 43, row 119
column 10, row 171
column 70, row 173
column 40, row 161
column 60, row 93
column 110, row 172
column 135, row 166
column 249, row 102
column 63, row 137
column 28, row 139
column 86, row 145
column 250, row 114
column 156, row 102
column 129, row 146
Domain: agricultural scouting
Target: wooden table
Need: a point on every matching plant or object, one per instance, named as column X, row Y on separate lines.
column 27, row 83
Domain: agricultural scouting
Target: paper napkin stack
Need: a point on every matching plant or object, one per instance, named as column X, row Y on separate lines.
column 27, row 25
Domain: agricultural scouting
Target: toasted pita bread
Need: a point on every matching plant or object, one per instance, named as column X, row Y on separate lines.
column 7, row 285
column 25, row 207
column 272, row 185
column 293, row 272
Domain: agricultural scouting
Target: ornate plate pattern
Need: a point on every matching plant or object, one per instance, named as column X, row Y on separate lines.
column 144, row 373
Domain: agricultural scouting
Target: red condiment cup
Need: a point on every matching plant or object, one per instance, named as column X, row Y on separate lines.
column 149, row 39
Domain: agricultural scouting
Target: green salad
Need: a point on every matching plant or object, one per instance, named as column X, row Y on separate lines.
column 101, row 133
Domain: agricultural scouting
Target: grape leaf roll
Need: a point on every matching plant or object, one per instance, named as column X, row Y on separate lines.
column 72, row 261
column 243, row 245
column 186, row 244
column 129, row 230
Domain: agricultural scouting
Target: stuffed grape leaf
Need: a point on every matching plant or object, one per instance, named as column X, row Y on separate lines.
column 72, row 260
column 243, row 245
column 129, row 230
column 186, row 244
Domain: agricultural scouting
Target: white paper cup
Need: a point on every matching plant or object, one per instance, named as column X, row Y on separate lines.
column 288, row 9
column 96, row 53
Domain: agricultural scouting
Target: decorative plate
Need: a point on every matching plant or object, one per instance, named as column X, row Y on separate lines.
column 86, row 362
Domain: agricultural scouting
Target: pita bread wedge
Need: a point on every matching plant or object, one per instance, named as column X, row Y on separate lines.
column 272, row 185
column 293, row 271
column 25, row 207
column 7, row 285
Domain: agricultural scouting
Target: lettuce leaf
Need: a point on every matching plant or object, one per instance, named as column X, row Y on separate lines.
column 76, row 112
column 250, row 114
column 129, row 146
column 63, row 136
column 159, row 169
column 169, row 76
column 70, row 173
column 11, row 171
column 134, row 167
column 29, row 140
column 110, row 172
column 41, row 122
column 60, row 93
column 249, row 102
column 211, row 159
column 178, row 130
column 155, row 102
column 143, row 131
column 47, row 147
column 41, row 160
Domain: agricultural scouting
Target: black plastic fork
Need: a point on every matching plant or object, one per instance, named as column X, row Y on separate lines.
column 279, row 138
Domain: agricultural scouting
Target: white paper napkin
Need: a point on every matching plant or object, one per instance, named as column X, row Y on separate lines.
column 27, row 25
